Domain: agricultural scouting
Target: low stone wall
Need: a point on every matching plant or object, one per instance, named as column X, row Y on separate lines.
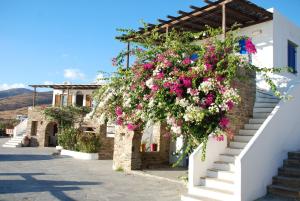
column 107, row 144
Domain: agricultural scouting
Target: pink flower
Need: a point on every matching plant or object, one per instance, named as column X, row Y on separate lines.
column 119, row 111
column 148, row 66
column 250, row 47
column 176, row 88
column 155, row 88
column 220, row 78
column 220, row 138
column 167, row 63
column 208, row 67
column 230, row 104
column 114, row 61
column 187, row 82
column 224, row 122
column 167, row 84
column 186, row 61
column 119, row 121
column 139, row 106
column 160, row 75
column 131, row 127
column 209, row 99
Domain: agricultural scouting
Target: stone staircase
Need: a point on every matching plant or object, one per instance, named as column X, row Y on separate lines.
column 287, row 183
column 14, row 142
column 218, row 185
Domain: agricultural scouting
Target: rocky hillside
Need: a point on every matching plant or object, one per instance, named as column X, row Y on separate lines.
column 16, row 101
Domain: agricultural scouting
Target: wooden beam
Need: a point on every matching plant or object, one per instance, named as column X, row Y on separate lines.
column 189, row 23
column 34, row 97
column 255, row 8
column 202, row 19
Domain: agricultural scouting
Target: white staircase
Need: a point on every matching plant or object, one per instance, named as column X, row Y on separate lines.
column 219, row 184
column 19, row 133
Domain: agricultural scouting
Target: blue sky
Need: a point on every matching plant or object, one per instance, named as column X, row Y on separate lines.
column 44, row 41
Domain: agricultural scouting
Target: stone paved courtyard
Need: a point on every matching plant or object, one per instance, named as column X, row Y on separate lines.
column 33, row 174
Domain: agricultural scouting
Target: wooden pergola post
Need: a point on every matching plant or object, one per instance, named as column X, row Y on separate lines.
column 128, row 54
column 34, row 97
column 224, row 20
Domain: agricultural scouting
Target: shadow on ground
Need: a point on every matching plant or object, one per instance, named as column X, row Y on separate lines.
column 28, row 183
column 29, row 157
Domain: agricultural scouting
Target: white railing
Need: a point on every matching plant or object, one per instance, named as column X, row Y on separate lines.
column 197, row 167
column 263, row 155
column 20, row 128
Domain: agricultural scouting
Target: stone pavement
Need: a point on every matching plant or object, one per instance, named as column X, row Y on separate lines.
column 33, row 174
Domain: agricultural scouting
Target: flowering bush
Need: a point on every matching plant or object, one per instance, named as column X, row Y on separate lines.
column 179, row 81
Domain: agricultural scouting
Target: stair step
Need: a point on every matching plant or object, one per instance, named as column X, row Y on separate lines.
column 11, row 146
column 265, row 105
column 217, row 183
column 233, row 151
column 287, row 181
column 293, row 163
column 262, row 109
column 189, row 197
column 236, row 144
column 266, row 100
column 247, row 132
column 252, row 126
column 294, row 155
column 289, row 172
column 228, row 158
column 225, row 166
column 211, row 193
column 220, row 174
column 260, row 115
column 284, row 191
column 263, row 95
column 13, row 143
column 256, row 121
column 242, row 138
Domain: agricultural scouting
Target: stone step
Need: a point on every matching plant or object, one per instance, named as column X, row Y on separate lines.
column 265, row 105
column 228, row 158
column 11, row 146
column 263, row 95
column 9, row 142
column 256, row 121
column 287, row 181
column 233, row 151
column 225, row 166
column 262, row 109
column 266, row 100
column 211, row 193
column 252, row 126
column 239, row 145
column 294, row 155
column 284, row 191
column 217, row 183
column 220, row 174
column 242, row 138
column 289, row 172
column 247, row 132
column 260, row 115
column 189, row 197
column 293, row 163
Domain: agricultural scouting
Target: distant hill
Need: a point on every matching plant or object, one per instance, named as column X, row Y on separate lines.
column 14, row 92
column 18, row 100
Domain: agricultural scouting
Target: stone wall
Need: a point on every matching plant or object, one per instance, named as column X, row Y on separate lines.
column 107, row 144
column 243, row 111
column 127, row 155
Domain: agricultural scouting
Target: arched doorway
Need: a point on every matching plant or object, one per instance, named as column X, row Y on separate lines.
column 51, row 134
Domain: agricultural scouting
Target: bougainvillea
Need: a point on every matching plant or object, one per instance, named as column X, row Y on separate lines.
column 175, row 79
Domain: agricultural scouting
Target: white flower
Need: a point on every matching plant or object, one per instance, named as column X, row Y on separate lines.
column 182, row 102
column 176, row 129
column 149, row 83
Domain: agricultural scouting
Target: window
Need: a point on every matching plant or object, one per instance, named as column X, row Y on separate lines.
column 79, row 99
column 292, row 56
column 57, row 100
column 88, row 101
column 64, row 100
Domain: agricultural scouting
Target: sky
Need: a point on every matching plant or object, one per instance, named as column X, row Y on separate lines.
column 56, row 41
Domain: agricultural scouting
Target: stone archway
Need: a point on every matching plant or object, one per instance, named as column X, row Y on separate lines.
column 51, row 134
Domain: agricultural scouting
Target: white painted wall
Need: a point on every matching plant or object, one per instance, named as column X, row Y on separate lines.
column 264, row 154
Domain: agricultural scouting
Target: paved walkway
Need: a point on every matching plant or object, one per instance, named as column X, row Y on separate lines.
column 33, row 174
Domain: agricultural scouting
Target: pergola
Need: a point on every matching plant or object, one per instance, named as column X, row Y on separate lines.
column 62, row 87
column 216, row 14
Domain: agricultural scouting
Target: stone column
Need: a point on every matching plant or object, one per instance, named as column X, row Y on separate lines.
column 127, row 155
column 107, row 144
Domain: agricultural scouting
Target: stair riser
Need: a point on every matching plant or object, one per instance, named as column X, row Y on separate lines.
column 11, row 146
column 228, row 159
column 258, row 109
column 260, row 115
column 211, row 194
column 294, row 155
column 221, row 175
column 266, row 100
column 241, row 138
column 235, row 152
column 225, row 167
column 247, row 132
column 269, row 105
column 287, row 183
column 266, row 96
column 217, row 184
column 239, row 145
column 289, row 173
column 284, row 193
column 188, row 198
column 292, row 163
column 252, row 126
column 256, row 121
